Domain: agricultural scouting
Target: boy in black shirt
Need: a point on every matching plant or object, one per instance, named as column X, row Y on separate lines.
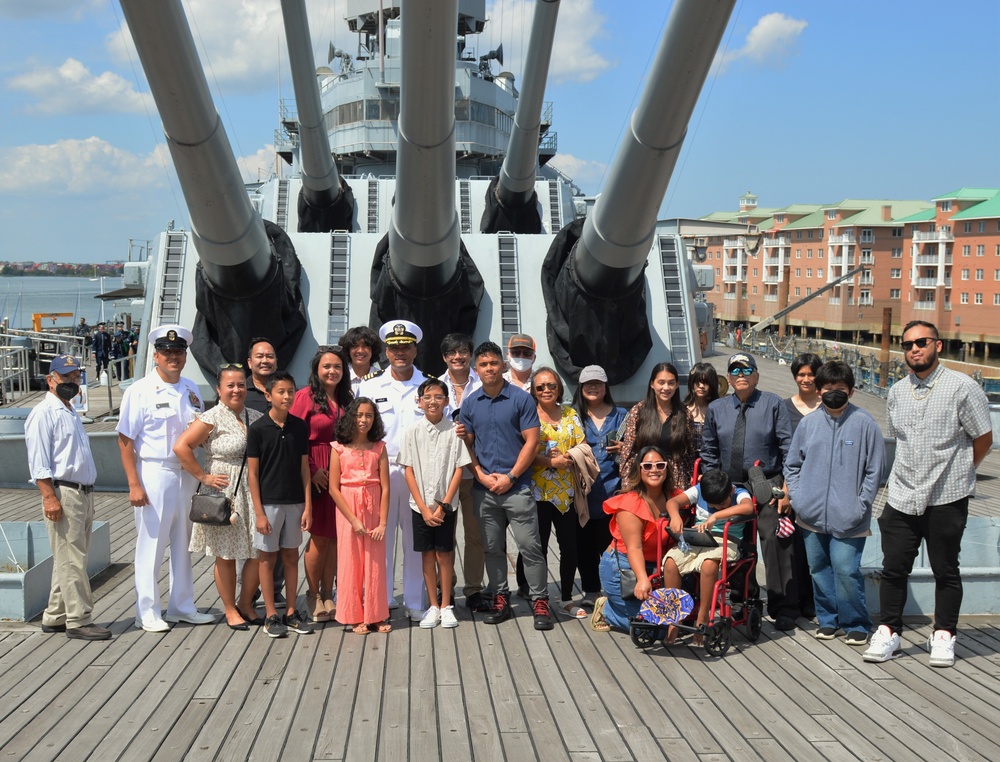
column 278, row 471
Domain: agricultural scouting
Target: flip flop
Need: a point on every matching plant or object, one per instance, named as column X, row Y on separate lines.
column 597, row 621
column 361, row 629
column 575, row 611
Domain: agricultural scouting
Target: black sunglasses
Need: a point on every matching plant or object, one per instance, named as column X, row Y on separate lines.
column 922, row 342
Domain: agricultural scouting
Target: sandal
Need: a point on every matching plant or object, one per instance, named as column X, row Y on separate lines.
column 574, row 610
column 361, row 629
column 382, row 627
column 597, row 621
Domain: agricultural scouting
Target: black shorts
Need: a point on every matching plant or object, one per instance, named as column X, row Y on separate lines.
column 427, row 539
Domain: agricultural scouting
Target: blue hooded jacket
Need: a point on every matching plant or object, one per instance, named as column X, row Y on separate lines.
column 833, row 471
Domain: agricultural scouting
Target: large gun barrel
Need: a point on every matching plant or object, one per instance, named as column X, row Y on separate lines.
column 618, row 234
column 234, row 250
column 517, row 175
column 424, row 237
column 325, row 203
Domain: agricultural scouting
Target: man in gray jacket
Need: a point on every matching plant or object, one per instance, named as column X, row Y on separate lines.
column 833, row 470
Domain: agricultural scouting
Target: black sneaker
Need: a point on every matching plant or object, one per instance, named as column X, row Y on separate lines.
column 296, row 623
column 828, row 633
column 784, row 623
column 501, row 610
column 543, row 616
column 273, row 627
column 479, row 602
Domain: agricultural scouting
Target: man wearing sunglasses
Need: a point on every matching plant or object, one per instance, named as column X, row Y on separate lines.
column 941, row 421
column 741, row 428
column 520, row 359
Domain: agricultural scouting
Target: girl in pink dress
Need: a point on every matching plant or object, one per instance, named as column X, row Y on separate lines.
column 359, row 485
column 321, row 404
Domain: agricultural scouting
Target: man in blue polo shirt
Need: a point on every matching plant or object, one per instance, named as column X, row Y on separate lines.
column 502, row 430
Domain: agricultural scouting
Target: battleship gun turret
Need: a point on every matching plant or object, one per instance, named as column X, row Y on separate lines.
column 511, row 200
column 595, row 294
column 247, row 280
column 326, row 202
column 421, row 270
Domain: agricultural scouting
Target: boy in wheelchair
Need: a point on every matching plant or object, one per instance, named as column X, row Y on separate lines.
column 715, row 500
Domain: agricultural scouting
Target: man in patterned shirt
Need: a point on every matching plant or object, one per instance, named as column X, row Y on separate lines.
column 941, row 421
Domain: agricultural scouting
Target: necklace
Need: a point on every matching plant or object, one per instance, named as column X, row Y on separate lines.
column 925, row 391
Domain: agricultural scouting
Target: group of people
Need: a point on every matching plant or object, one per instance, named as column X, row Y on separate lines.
column 360, row 451
column 109, row 348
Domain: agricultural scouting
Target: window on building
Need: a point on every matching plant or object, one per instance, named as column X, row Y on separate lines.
column 819, row 233
column 798, row 272
column 945, row 206
column 895, row 293
column 755, row 272
column 819, row 272
column 809, row 291
column 809, row 272
column 964, row 298
column 718, row 271
column 867, row 236
column 819, row 253
column 866, row 297
column 966, row 250
column 809, row 234
column 982, row 226
column 896, row 272
column 979, row 274
column 996, row 300
column 798, row 234
column 798, row 253
column 965, row 274
column 755, row 290
column 897, row 232
column 809, row 253
column 779, row 218
column 998, row 249
column 897, row 253
column 932, row 227
column 967, row 227
column 916, row 229
column 979, row 298
column 798, row 291
column 981, row 250
column 831, row 214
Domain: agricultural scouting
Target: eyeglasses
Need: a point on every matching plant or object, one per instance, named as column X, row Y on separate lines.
column 741, row 371
column 657, row 465
column 522, row 353
column 921, row 343
column 231, row 366
column 550, row 387
column 457, row 353
column 433, row 398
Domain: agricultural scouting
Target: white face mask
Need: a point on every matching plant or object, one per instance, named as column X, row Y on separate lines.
column 520, row 364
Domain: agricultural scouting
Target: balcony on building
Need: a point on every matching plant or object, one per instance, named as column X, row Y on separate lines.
column 772, row 278
column 846, row 238
column 925, row 305
column 834, row 301
column 733, row 243
column 942, row 236
column 932, row 259
column 930, row 282
column 779, row 241
column 770, row 297
column 732, row 278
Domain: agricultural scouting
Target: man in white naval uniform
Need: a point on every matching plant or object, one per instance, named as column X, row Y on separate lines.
column 155, row 410
column 394, row 392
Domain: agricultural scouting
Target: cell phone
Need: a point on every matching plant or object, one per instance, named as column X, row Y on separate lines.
column 610, row 441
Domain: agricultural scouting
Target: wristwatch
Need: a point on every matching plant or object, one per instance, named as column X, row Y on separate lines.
column 513, row 479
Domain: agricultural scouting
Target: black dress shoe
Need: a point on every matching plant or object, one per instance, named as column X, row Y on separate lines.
column 88, row 632
column 258, row 622
column 53, row 628
column 241, row 627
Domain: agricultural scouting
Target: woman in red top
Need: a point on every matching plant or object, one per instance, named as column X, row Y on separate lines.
column 634, row 529
column 320, row 404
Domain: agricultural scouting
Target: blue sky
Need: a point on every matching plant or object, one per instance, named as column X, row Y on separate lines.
column 810, row 102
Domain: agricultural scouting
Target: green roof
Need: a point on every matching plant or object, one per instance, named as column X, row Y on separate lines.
column 811, row 220
column 872, row 215
column 922, row 216
column 966, row 194
column 988, row 208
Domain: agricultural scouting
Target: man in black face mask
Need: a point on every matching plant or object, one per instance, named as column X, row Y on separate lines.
column 62, row 468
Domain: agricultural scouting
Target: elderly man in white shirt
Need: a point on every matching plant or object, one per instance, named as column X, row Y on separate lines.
column 62, row 467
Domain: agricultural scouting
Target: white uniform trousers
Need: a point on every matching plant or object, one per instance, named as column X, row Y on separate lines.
column 400, row 515
column 164, row 521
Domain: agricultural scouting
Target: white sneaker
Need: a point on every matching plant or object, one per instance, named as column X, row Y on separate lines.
column 942, row 646
column 883, row 646
column 195, row 617
column 431, row 619
column 448, row 618
column 152, row 625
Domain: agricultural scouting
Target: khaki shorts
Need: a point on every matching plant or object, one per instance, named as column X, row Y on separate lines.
column 689, row 562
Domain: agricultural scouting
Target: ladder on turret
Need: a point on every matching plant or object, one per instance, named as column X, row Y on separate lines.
column 168, row 307
column 281, row 209
column 674, row 297
column 340, row 287
column 555, row 208
column 510, row 303
column 372, row 205
column 465, row 205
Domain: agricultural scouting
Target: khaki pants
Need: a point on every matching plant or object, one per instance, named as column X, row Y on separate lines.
column 70, row 600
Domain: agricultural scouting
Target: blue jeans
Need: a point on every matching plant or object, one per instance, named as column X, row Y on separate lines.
column 617, row 611
column 838, row 587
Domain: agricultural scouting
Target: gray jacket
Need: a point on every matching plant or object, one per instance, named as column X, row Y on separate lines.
column 833, row 471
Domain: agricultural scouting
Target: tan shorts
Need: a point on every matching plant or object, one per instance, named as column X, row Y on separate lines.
column 689, row 562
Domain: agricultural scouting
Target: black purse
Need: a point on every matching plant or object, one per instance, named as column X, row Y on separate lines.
column 628, row 580
column 216, row 509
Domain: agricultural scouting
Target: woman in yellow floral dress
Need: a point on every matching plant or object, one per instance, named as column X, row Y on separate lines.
column 552, row 482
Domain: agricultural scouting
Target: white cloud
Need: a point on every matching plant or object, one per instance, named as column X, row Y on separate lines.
column 583, row 172
column 258, row 166
column 72, row 89
column 770, row 43
column 80, row 167
column 574, row 57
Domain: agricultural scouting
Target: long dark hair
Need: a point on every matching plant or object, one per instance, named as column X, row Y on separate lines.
column 648, row 426
column 347, row 426
column 634, row 480
column 704, row 373
column 342, row 394
column 580, row 404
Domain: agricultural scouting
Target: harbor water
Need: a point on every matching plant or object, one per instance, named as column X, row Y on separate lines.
column 23, row 296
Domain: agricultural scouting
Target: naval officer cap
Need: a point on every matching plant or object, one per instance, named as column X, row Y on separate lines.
column 63, row 364
column 397, row 332
column 170, row 336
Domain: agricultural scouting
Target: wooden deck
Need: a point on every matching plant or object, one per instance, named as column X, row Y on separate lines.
column 476, row 692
